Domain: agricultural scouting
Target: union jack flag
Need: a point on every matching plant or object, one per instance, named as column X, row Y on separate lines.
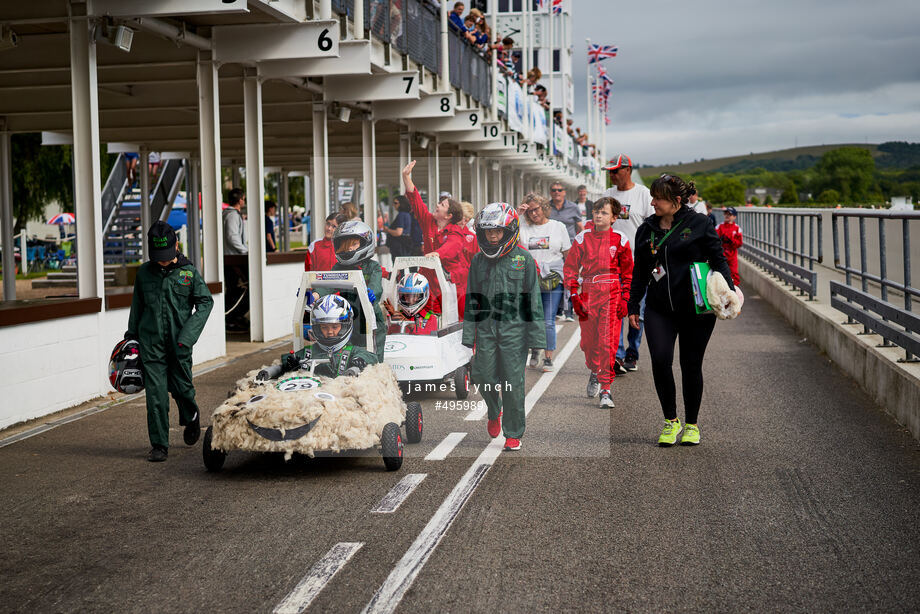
column 599, row 53
column 557, row 7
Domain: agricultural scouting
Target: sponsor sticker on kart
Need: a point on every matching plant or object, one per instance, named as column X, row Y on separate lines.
column 331, row 276
column 324, row 396
column 294, row 384
column 394, row 346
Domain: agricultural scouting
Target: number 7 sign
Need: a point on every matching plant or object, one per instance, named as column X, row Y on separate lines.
column 392, row 86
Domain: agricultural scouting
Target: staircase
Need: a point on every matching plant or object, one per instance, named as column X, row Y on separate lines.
column 123, row 238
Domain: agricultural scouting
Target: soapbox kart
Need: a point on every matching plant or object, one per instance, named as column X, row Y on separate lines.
column 304, row 413
column 438, row 361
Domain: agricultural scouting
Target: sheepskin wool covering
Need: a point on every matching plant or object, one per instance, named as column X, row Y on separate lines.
column 352, row 412
column 725, row 302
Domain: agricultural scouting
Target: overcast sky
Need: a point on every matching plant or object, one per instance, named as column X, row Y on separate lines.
column 716, row 78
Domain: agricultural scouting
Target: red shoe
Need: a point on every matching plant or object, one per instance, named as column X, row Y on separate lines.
column 495, row 426
column 512, row 444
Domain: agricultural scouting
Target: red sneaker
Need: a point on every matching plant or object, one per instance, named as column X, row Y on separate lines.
column 512, row 444
column 495, row 426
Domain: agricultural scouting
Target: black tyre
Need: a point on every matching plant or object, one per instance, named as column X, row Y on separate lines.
column 213, row 459
column 414, row 422
column 391, row 446
column 462, row 382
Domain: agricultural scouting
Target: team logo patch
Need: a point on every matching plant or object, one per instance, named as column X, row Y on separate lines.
column 331, row 276
column 185, row 278
column 538, row 243
column 685, row 234
column 470, row 238
column 613, row 251
column 517, row 262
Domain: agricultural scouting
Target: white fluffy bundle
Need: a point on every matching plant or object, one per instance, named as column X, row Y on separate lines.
column 725, row 302
column 353, row 420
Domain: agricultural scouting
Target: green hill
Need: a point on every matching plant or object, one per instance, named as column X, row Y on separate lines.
column 796, row 158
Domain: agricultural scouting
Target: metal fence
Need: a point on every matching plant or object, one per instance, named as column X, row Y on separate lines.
column 895, row 324
column 787, row 244
column 413, row 27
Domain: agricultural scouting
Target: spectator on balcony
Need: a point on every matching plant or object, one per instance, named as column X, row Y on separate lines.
column 540, row 92
column 456, row 18
column 533, row 78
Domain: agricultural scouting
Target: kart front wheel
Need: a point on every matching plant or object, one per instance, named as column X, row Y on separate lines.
column 414, row 422
column 462, row 382
column 391, row 445
column 213, row 459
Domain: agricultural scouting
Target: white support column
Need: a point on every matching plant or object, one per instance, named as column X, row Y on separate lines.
column 87, row 192
column 191, row 210
column 485, row 169
column 369, row 152
column 456, row 176
column 320, row 177
column 236, row 176
column 284, row 218
column 494, row 68
column 325, row 9
column 6, row 214
column 520, row 191
column 358, row 20
column 405, row 155
column 445, row 51
column 146, row 218
column 255, row 199
column 434, row 173
column 209, row 150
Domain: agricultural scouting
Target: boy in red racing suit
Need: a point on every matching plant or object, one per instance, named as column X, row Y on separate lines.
column 413, row 317
column 730, row 234
column 602, row 258
column 443, row 237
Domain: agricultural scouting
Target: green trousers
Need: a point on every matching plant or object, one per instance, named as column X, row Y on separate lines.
column 170, row 375
column 498, row 370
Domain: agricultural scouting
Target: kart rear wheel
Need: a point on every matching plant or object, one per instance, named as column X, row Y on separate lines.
column 391, row 446
column 414, row 422
column 462, row 382
column 213, row 459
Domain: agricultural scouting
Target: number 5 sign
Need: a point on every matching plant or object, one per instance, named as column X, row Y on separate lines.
column 392, row 86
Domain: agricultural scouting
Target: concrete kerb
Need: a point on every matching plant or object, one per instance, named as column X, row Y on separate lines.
column 894, row 386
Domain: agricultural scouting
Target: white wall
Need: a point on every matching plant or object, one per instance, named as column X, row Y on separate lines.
column 281, row 282
column 52, row 365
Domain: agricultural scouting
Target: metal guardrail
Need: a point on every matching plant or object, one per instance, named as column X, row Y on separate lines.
column 113, row 192
column 892, row 323
column 798, row 277
column 888, row 313
column 784, row 234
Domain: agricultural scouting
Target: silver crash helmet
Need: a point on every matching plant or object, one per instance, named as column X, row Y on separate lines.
column 354, row 229
column 332, row 309
column 412, row 294
column 498, row 216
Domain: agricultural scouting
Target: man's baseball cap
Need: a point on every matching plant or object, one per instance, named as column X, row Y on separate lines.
column 618, row 162
column 731, row 211
column 163, row 241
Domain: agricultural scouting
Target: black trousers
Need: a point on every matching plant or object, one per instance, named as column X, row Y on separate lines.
column 662, row 329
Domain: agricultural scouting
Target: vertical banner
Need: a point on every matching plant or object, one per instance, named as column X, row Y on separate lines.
column 516, row 112
column 540, row 131
column 559, row 139
column 502, row 94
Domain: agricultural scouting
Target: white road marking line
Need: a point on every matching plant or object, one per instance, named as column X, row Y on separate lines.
column 391, row 592
column 319, row 575
column 41, row 428
column 444, row 448
column 558, row 328
column 479, row 413
column 399, row 493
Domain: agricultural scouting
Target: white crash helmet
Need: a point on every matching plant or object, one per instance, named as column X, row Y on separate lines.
column 354, row 229
column 412, row 294
column 332, row 309
column 498, row 216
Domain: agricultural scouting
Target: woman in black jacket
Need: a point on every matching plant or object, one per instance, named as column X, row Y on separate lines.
column 667, row 243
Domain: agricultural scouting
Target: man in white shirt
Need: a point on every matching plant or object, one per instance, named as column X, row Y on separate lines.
column 696, row 204
column 637, row 205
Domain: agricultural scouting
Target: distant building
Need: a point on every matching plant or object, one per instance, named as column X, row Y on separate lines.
column 902, row 203
column 762, row 193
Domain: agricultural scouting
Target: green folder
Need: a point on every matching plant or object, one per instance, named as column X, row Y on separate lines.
column 699, row 275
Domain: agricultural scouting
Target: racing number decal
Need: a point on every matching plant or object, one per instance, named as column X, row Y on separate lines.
column 325, row 43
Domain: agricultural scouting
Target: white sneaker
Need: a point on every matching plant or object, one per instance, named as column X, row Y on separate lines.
column 606, row 401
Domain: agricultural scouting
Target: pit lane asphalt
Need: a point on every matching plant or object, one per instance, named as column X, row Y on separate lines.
column 803, row 496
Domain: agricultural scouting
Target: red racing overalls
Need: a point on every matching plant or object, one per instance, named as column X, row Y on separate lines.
column 730, row 234
column 604, row 262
